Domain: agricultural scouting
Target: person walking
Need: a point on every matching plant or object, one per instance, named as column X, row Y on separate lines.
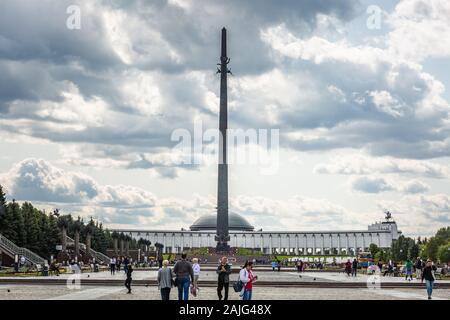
column 419, row 266
column 247, row 277
column 408, row 269
column 428, row 275
column 129, row 279
column 279, row 265
column 223, row 271
column 196, row 269
column 380, row 266
column 184, row 276
column 274, row 265
column 165, row 280
column 299, row 266
column 354, row 267
column 348, row 267
column 390, row 269
column 112, row 265
column 126, row 262
column 118, row 263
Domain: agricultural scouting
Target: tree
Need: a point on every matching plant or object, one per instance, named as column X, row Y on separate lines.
column 31, row 223
column 433, row 244
column 4, row 219
column 16, row 224
column 2, row 202
column 404, row 247
column 443, row 253
column 373, row 248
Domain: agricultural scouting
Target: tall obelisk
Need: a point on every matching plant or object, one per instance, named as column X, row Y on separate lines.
column 222, row 235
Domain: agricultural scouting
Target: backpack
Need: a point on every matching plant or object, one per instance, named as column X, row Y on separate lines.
column 238, row 285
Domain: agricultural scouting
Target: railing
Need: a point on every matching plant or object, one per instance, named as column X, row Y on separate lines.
column 97, row 255
column 11, row 247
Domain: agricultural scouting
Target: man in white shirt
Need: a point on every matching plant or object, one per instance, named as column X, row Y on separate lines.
column 112, row 265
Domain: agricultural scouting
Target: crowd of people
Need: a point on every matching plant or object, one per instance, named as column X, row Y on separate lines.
column 185, row 277
column 185, row 274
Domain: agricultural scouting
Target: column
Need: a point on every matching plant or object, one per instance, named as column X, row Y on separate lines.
column 347, row 244
column 270, row 244
column 297, row 245
column 314, row 243
column 363, row 242
column 182, row 242
column 339, row 243
column 279, row 243
column 356, row 244
column 164, row 243
column 288, row 238
column 305, row 246
column 173, row 243
column 323, row 244
column 261, row 244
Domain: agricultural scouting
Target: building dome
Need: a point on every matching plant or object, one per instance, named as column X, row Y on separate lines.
column 209, row 222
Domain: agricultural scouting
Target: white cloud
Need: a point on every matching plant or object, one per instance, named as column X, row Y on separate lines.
column 419, row 215
column 37, row 179
column 420, row 29
column 415, row 186
column 384, row 101
column 377, row 184
column 360, row 164
column 385, row 105
column 371, row 184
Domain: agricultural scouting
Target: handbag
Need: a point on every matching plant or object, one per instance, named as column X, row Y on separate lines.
column 238, row 285
column 193, row 290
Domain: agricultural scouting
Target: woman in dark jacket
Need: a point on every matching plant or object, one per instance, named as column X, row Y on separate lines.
column 428, row 275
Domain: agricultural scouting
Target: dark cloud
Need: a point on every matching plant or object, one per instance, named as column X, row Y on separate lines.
column 148, row 68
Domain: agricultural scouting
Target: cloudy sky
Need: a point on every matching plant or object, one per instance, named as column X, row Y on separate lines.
column 86, row 115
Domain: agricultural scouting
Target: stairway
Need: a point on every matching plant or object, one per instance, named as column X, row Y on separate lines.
column 97, row 255
column 12, row 249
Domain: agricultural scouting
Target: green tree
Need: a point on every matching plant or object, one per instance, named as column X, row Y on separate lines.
column 443, row 253
column 17, row 224
column 3, row 216
column 404, row 247
column 433, row 244
column 373, row 249
column 31, row 223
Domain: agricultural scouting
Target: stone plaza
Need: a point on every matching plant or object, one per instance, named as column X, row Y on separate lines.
column 304, row 286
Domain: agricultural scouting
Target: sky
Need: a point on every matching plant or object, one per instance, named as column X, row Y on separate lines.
column 358, row 90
